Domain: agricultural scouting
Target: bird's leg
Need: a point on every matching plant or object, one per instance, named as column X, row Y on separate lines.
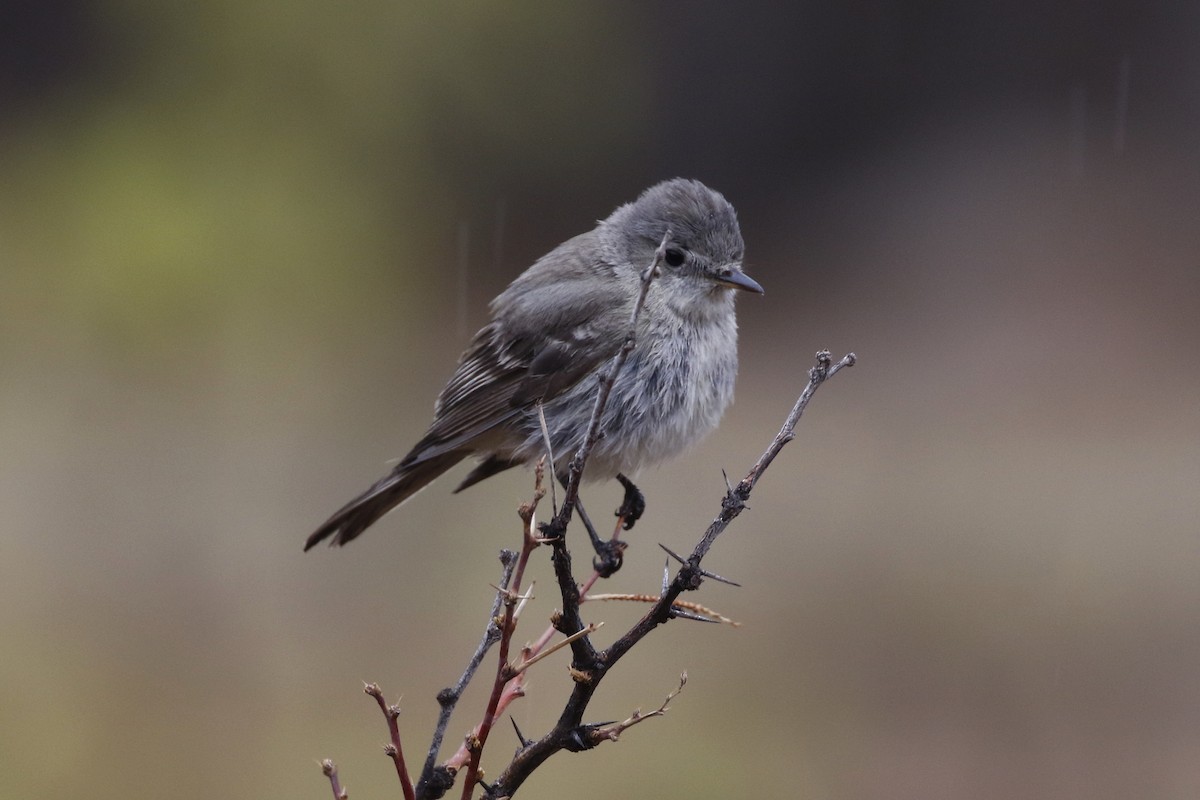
column 633, row 506
column 609, row 554
column 597, row 542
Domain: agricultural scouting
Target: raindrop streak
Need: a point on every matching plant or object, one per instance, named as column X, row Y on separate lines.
column 498, row 238
column 464, row 240
column 1078, row 143
column 1122, row 110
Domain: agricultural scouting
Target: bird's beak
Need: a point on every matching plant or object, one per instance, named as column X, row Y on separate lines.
column 734, row 277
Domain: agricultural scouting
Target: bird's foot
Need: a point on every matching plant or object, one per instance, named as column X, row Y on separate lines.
column 609, row 556
column 609, row 553
column 634, row 504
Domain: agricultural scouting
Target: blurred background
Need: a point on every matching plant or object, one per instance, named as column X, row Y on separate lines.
column 241, row 247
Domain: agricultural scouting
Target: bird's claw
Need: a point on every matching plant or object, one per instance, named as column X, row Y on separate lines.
column 634, row 504
column 609, row 556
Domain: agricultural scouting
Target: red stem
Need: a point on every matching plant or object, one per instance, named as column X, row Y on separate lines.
column 503, row 671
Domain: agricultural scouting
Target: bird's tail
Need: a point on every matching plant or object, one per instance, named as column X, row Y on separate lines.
column 390, row 491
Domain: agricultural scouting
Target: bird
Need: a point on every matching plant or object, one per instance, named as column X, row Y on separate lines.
column 556, row 328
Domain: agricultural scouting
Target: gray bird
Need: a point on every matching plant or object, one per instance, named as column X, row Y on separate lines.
column 553, row 332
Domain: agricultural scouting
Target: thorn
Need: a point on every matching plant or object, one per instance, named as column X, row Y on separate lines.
column 703, row 571
column 718, row 578
column 550, row 451
column 523, row 600
column 591, row 627
column 520, row 736
column 672, row 553
column 679, row 612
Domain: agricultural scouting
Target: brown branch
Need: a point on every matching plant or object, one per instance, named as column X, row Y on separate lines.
column 504, row 671
column 435, row 782
column 590, row 666
column 330, row 771
column 613, row 732
column 735, row 499
column 392, row 749
column 531, row 659
column 704, row 612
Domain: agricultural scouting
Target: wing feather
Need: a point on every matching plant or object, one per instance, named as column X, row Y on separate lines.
column 551, row 329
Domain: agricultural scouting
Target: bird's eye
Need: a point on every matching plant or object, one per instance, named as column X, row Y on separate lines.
column 674, row 257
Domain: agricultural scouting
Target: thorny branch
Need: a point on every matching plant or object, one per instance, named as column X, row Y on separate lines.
column 393, row 749
column 698, row 611
column 330, row 771
column 613, row 731
column 507, row 680
column 569, row 621
column 588, row 665
column 448, row 698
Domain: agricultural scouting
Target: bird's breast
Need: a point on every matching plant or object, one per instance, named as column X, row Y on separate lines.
column 672, row 392
column 675, row 385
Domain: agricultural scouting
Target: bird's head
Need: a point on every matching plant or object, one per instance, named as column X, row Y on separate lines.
column 702, row 258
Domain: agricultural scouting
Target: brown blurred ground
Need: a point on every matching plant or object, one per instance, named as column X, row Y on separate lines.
column 231, row 283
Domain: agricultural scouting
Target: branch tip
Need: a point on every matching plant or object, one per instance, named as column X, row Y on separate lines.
column 613, row 732
column 339, row 792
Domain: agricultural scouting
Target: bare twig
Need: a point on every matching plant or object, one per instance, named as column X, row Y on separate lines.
column 613, row 732
column 393, row 749
column 685, row 605
column 330, row 771
column 526, row 663
column 735, row 500
column 690, row 575
column 448, row 697
column 508, row 683
column 435, row 781
column 590, row 666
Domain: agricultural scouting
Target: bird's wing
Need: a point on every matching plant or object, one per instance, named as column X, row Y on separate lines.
column 504, row 373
